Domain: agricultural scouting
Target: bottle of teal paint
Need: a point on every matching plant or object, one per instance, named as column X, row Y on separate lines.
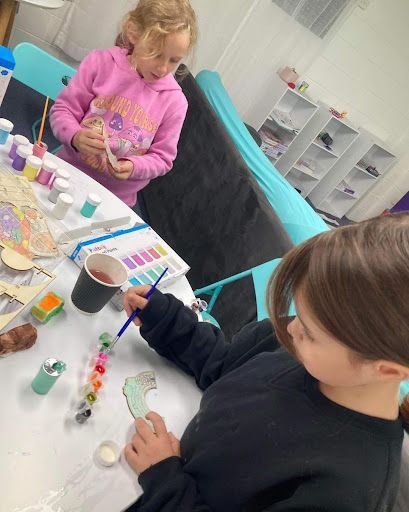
column 47, row 375
column 90, row 205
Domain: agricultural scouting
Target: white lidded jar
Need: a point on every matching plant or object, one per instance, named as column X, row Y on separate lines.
column 63, row 204
column 59, row 186
column 59, row 173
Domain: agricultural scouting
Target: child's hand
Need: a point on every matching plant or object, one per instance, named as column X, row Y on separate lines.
column 88, row 142
column 122, row 171
column 135, row 298
column 147, row 447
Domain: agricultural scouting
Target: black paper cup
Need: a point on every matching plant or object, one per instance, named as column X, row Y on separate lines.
column 100, row 278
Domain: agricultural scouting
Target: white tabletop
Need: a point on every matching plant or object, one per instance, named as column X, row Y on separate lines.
column 46, row 458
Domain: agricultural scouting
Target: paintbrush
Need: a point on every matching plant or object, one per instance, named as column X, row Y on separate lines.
column 136, row 312
column 40, row 133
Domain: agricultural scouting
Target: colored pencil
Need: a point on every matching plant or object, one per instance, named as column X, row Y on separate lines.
column 136, row 312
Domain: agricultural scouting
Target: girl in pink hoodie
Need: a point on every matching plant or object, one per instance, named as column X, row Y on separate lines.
column 125, row 101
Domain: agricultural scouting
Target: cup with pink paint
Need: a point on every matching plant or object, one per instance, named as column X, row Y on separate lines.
column 100, row 278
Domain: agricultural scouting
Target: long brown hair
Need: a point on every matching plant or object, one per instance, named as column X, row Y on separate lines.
column 355, row 280
column 153, row 20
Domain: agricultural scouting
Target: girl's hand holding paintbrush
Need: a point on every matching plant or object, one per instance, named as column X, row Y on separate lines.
column 135, row 298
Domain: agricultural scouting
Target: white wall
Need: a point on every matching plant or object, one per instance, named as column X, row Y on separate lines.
column 364, row 71
column 39, row 26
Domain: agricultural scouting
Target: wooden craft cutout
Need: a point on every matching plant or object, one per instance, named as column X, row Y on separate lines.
column 21, row 293
column 15, row 260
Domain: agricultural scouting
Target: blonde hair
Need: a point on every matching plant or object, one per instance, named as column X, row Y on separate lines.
column 355, row 281
column 153, row 20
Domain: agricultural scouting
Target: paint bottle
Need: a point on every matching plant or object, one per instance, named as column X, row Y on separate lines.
column 33, row 165
column 90, row 205
column 46, row 172
column 63, row 204
column 22, row 153
column 40, row 149
column 59, row 173
column 59, row 186
column 18, row 140
column 6, row 127
column 47, row 375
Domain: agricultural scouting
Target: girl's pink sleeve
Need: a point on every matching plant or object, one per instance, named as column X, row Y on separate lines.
column 160, row 156
column 73, row 102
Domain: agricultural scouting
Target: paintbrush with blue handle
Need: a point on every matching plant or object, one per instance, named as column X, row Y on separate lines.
column 136, row 312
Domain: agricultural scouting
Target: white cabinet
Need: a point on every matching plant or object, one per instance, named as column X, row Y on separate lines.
column 290, row 114
column 349, row 179
column 308, row 160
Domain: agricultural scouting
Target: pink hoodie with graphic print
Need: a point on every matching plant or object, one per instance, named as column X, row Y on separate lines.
column 141, row 120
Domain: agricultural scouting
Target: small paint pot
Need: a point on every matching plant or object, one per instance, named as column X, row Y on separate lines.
column 59, row 173
column 91, row 398
column 18, row 140
column 46, row 172
column 84, row 415
column 22, row 153
column 90, row 205
column 94, row 376
column 100, row 369
column 33, row 165
column 107, row 453
column 59, row 186
column 6, row 127
column 97, row 385
column 46, row 377
column 63, row 204
column 86, row 388
column 40, row 149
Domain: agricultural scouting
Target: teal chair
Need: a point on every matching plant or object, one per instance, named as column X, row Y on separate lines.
column 42, row 72
column 260, row 274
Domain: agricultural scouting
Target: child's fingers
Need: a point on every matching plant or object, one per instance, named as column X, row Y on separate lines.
column 158, row 423
column 91, row 150
column 131, row 456
column 140, row 290
column 175, row 444
column 135, row 301
column 144, row 430
column 92, row 134
column 95, row 143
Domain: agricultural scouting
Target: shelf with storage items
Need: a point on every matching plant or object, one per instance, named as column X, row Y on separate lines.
column 349, row 180
column 309, row 150
column 290, row 114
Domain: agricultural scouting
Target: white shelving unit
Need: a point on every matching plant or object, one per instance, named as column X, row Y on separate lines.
column 307, row 160
column 350, row 172
column 290, row 114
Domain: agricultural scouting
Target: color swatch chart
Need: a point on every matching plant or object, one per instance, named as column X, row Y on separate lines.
column 148, row 264
column 142, row 251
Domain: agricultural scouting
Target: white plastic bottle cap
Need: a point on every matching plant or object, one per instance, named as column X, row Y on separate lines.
column 65, row 199
column 61, row 185
column 34, row 161
column 93, row 199
column 24, row 151
column 20, row 139
column 49, row 166
column 107, row 453
column 62, row 173
column 6, row 125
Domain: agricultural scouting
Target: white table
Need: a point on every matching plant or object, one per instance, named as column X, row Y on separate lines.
column 46, row 458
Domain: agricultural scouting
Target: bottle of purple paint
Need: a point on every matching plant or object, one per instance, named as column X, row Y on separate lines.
column 22, row 153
